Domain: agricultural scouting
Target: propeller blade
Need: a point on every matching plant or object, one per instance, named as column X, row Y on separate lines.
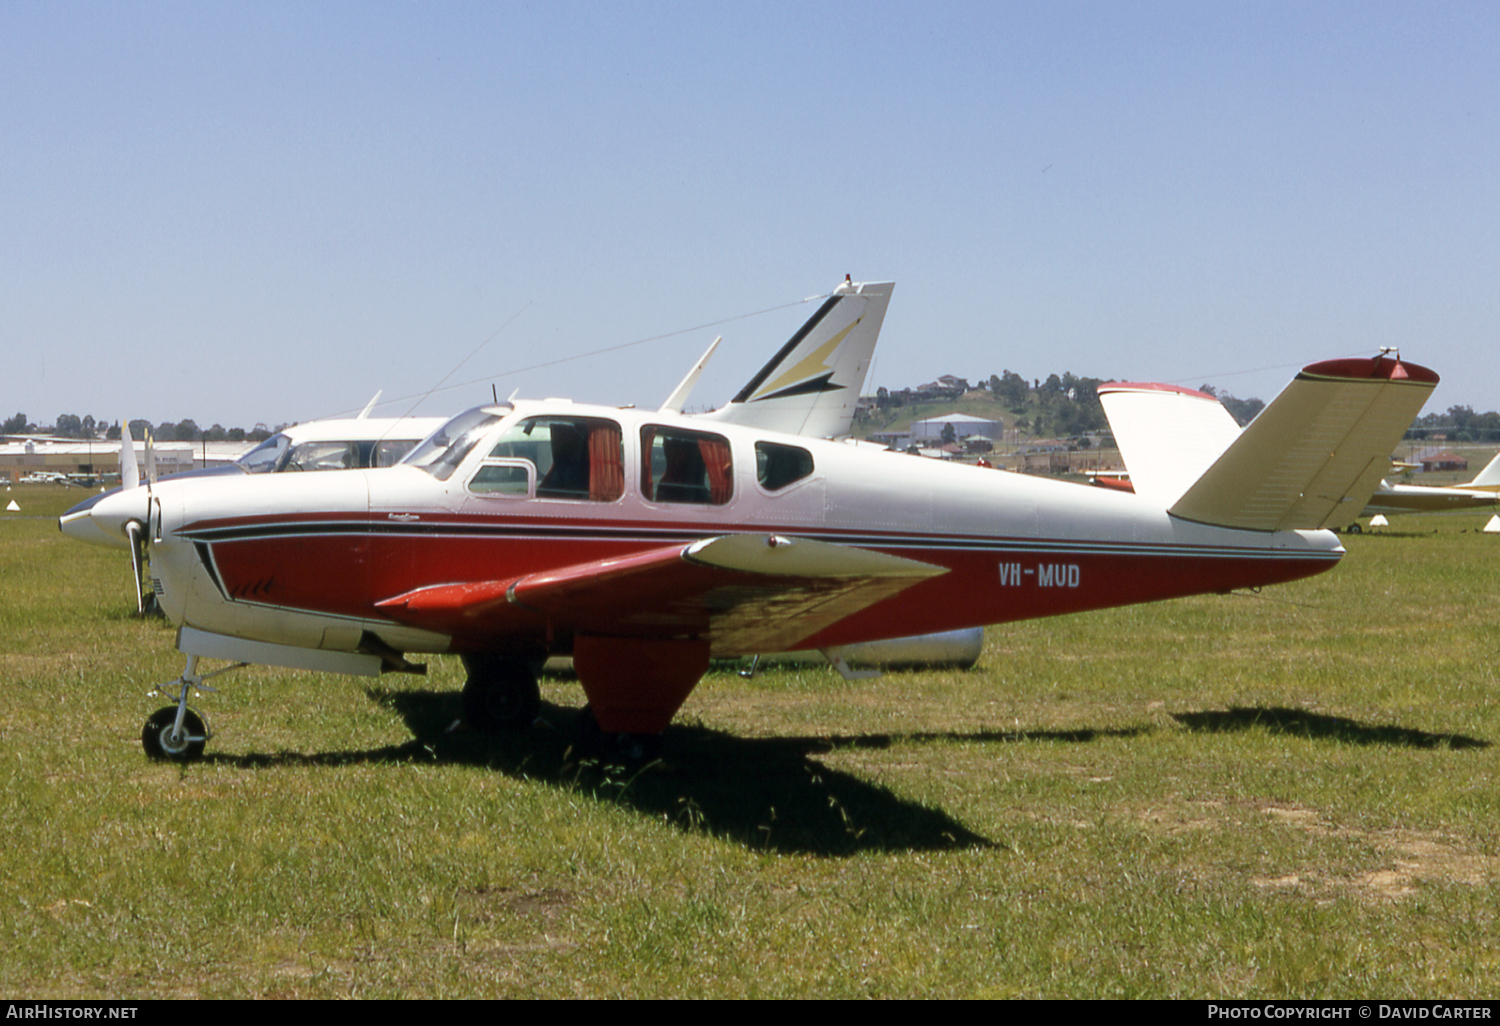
column 136, row 532
column 130, row 474
column 150, row 460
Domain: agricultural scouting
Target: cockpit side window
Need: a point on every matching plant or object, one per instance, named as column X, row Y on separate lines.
column 391, row 451
column 323, row 456
column 685, row 466
column 777, row 465
column 578, row 458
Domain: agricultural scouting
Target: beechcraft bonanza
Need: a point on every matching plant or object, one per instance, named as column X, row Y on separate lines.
column 644, row 543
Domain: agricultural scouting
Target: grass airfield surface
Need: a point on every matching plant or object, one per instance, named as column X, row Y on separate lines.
column 1283, row 795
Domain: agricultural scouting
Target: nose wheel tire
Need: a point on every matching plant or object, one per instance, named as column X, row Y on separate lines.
column 164, row 744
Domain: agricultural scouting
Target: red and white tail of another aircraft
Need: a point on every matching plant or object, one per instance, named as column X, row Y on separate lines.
column 643, row 543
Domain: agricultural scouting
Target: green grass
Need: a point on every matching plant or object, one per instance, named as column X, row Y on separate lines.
column 1290, row 794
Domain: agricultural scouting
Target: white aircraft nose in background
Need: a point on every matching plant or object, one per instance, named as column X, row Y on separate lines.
column 103, row 519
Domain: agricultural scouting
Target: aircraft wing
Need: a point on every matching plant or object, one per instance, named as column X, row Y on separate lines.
column 745, row 592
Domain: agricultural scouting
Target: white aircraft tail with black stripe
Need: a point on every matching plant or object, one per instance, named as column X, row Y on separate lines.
column 811, row 387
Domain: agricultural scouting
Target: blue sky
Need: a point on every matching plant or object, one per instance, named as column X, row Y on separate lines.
column 266, row 212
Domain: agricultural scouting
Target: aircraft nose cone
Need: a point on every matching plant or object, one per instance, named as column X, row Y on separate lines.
column 101, row 520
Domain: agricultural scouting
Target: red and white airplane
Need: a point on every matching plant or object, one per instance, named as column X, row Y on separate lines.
column 643, row 543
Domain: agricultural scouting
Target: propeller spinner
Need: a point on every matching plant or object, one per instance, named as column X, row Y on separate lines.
column 117, row 518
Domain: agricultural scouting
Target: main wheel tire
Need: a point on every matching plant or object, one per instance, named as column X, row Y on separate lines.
column 500, row 695
column 156, row 736
column 630, row 750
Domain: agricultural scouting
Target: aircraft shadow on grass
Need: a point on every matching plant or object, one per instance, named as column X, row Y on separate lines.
column 1318, row 726
column 766, row 793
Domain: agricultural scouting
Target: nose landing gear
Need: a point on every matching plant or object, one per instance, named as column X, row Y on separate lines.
column 166, row 741
column 175, row 733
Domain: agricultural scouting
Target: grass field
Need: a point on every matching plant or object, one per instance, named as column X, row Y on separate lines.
column 1290, row 794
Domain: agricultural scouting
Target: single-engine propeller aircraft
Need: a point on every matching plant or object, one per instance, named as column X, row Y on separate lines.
column 643, row 543
column 1483, row 491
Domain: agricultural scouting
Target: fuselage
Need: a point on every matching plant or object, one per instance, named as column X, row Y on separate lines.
column 1404, row 498
column 306, row 560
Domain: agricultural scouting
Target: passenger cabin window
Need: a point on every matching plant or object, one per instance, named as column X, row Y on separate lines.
column 685, row 466
column 580, row 458
column 777, row 466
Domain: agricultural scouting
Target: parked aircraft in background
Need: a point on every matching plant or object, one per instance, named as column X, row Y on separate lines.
column 341, row 444
column 646, row 542
column 1483, row 491
column 334, row 444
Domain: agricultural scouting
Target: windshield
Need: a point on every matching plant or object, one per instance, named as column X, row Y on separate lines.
column 441, row 454
column 265, row 457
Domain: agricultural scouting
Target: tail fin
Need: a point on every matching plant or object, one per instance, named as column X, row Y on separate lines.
column 811, row 387
column 1313, row 458
column 1168, row 436
column 1489, row 477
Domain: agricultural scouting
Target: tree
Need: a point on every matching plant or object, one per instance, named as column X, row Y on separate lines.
column 1242, row 410
column 949, row 435
column 17, row 425
column 1011, row 388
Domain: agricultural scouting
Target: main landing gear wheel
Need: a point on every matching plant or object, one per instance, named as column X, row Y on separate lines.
column 164, row 743
column 633, row 750
column 500, row 694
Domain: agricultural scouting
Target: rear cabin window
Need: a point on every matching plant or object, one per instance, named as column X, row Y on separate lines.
column 685, row 466
column 579, row 458
column 777, row 466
